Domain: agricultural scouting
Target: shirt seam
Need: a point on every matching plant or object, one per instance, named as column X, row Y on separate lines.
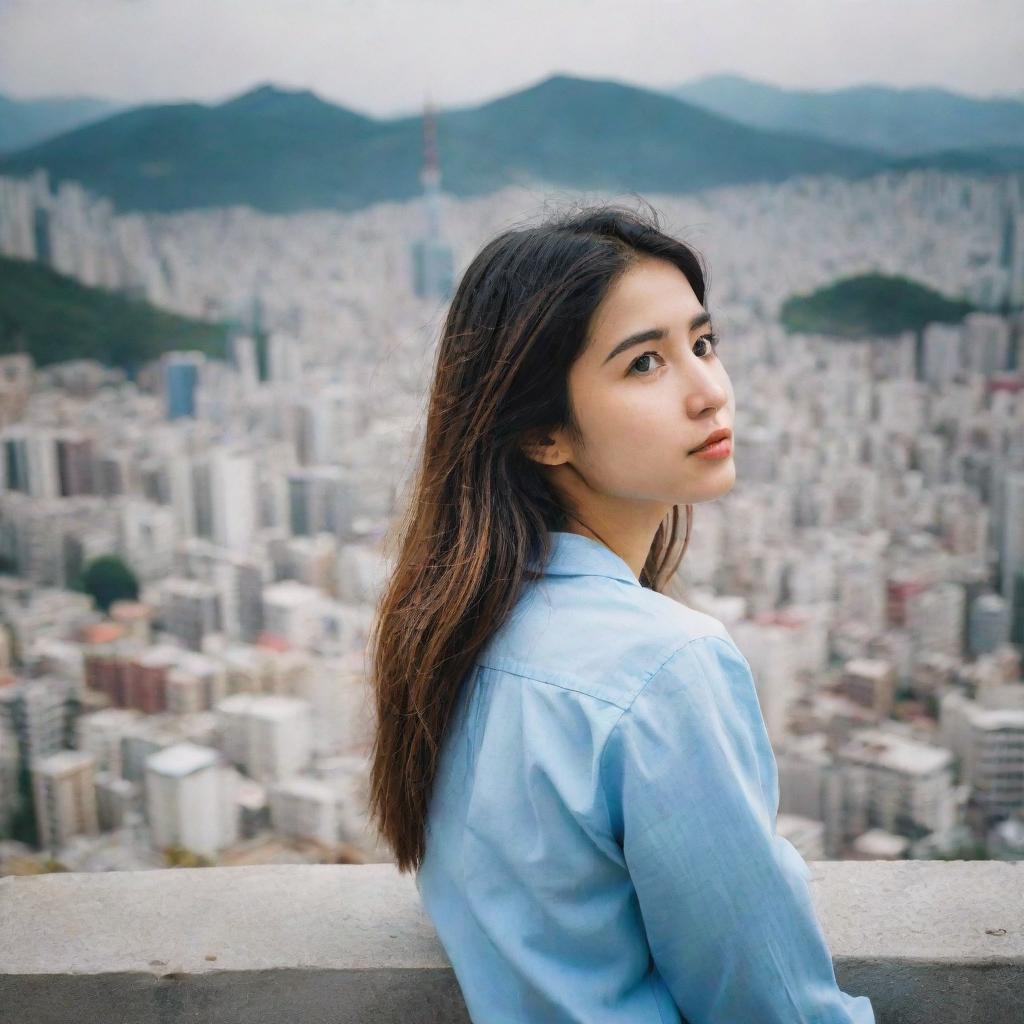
column 498, row 666
column 494, row 667
column 604, row 746
column 631, row 582
column 682, row 647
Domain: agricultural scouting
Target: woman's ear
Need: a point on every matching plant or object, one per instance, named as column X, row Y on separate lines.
column 544, row 447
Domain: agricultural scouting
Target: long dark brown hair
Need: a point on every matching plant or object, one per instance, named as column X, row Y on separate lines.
column 479, row 510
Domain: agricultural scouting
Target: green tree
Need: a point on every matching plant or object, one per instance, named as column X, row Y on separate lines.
column 108, row 579
column 967, row 851
column 178, row 856
column 871, row 305
column 23, row 826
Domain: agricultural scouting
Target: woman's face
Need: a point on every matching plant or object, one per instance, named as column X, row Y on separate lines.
column 643, row 407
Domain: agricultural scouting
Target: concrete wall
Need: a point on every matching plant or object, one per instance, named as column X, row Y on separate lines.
column 934, row 942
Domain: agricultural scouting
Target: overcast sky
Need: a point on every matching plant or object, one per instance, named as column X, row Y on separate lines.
column 384, row 56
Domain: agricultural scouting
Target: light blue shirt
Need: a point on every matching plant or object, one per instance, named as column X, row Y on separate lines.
column 601, row 841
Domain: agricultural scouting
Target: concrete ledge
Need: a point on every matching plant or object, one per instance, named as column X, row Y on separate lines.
column 333, row 944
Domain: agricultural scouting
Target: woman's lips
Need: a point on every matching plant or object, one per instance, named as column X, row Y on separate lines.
column 718, row 450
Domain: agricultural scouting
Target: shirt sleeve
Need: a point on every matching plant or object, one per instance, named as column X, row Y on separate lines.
column 692, row 789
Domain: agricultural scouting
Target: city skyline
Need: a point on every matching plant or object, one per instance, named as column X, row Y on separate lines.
column 868, row 563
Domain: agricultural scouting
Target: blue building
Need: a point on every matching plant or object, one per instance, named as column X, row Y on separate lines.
column 181, row 378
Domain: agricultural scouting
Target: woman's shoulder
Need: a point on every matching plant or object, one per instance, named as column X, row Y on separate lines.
column 679, row 619
column 604, row 639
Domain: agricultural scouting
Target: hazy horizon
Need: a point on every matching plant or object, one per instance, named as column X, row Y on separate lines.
column 385, row 58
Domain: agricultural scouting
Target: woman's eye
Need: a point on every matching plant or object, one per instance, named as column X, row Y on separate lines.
column 711, row 338
column 639, row 361
column 638, row 368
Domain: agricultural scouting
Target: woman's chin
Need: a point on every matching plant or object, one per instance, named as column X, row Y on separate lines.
column 719, row 481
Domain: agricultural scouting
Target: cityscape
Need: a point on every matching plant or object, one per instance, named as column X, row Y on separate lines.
column 191, row 546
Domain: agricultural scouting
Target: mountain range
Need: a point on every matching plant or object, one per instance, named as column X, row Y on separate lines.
column 26, row 122
column 903, row 122
column 282, row 150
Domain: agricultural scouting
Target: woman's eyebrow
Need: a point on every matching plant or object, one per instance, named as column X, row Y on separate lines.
column 654, row 334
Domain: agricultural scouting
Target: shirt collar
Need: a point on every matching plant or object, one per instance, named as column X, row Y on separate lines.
column 572, row 554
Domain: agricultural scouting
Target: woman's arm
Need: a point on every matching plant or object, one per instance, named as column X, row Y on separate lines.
column 692, row 789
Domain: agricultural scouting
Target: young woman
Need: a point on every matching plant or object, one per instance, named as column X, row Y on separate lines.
column 574, row 763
